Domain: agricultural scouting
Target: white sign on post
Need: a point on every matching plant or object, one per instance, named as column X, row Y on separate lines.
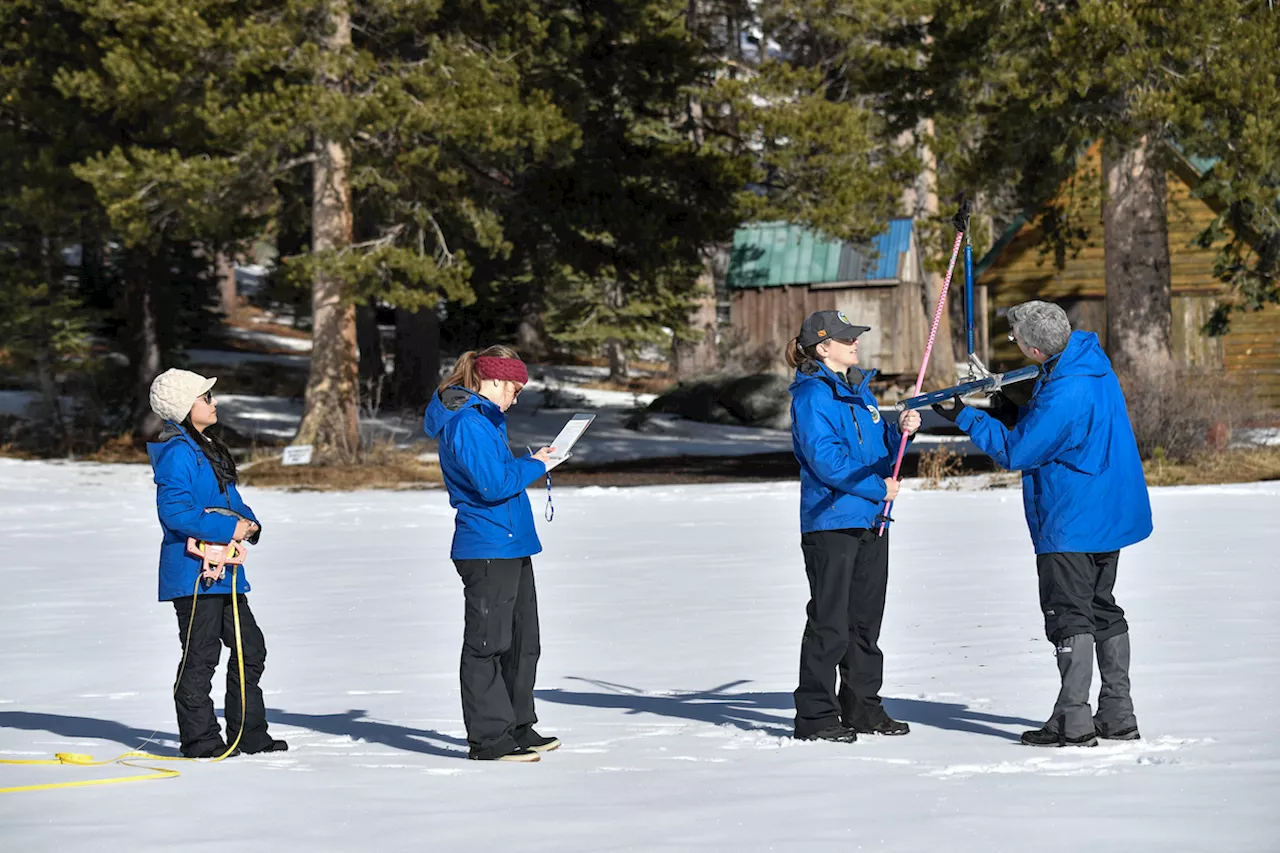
column 296, row 454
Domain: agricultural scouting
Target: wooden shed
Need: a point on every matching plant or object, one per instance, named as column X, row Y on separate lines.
column 779, row 273
column 1022, row 266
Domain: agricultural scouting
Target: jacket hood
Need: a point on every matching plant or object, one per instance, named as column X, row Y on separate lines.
column 812, row 371
column 165, row 443
column 446, row 404
column 1082, row 357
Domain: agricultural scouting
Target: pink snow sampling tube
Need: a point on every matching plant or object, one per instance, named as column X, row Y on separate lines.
column 928, row 350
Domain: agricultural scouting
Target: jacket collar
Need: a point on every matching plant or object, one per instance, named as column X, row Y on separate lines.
column 840, row 385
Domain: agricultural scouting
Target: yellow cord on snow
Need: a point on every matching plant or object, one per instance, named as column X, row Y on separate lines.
column 81, row 760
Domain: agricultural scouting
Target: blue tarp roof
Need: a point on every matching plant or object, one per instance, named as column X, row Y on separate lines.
column 771, row 254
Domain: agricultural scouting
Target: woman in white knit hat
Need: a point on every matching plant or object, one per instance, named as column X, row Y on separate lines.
column 196, row 498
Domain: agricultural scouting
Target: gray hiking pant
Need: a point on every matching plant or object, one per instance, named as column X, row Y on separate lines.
column 1081, row 617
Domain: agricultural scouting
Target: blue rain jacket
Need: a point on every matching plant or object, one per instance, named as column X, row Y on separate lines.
column 845, row 448
column 1082, row 483
column 189, row 503
column 486, row 482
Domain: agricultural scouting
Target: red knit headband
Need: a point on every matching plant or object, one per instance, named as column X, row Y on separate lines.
column 506, row 369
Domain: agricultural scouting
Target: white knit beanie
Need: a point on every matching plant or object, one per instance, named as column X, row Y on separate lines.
column 174, row 392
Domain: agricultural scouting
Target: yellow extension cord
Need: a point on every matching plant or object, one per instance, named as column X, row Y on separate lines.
column 79, row 759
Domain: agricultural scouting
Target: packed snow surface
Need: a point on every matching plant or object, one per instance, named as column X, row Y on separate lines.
column 671, row 619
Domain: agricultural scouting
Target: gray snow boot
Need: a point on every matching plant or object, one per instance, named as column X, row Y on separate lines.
column 1115, row 719
column 1071, row 723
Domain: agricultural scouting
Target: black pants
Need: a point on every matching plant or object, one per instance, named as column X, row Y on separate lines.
column 500, row 651
column 848, row 573
column 212, row 629
column 1076, row 595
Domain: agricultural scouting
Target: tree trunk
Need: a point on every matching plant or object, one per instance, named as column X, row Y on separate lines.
column 144, row 344
column 617, row 354
column 1139, row 305
column 372, row 368
column 921, row 202
column 330, row 420
column 531, row 333
column 417, row 357
column 49, row 398
column 225, row 271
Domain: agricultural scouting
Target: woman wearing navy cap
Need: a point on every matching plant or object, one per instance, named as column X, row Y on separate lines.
column 846, row 452
column 493, row 542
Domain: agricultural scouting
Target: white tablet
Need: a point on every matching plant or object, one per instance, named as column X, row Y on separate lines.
column 570, row 434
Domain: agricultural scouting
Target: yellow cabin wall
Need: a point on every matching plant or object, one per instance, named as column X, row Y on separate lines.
column 1022, row 271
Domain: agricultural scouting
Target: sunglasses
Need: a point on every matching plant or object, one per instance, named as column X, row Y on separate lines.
column 207, row 396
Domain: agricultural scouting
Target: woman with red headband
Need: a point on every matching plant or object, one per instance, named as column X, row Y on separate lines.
column 493, row 542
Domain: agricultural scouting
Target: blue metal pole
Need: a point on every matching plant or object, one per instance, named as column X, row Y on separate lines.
column 968, row 290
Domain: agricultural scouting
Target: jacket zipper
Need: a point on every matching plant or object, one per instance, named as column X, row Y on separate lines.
column 856, row 425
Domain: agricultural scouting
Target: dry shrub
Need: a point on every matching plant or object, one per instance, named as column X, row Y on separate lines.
column 937, row 465
column 120, row 448
column 1179, row 413
column 1240, row 465
column 382, row 467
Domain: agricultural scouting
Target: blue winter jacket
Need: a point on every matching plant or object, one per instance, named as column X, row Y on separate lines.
column 486, row 482
column 190, row 503
column 1082, row 482
column 845, row 449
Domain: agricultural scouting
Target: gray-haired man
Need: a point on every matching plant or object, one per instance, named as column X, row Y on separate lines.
column 1085, row 498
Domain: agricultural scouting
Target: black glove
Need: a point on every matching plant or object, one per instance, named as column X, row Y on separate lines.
column 1004, row 410
column 957, row 406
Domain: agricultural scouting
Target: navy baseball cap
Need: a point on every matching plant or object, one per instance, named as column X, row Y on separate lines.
column 828, row 326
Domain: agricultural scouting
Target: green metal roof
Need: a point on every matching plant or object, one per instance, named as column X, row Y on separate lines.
column 771, row 254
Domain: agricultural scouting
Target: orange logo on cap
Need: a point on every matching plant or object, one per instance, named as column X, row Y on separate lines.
column 822, row 333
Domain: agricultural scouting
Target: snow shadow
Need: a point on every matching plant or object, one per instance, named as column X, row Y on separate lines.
column 956, row 717
column 759, row 712
column 748, row 711
column 87, row 728
column 356, row 725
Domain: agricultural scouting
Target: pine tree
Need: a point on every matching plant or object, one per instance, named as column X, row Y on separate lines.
column 1232, row 116
column 411, row 128
column 1024, row 87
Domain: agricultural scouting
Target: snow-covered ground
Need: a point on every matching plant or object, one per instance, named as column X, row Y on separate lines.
column 671, row 618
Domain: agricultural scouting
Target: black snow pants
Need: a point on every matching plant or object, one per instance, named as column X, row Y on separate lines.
column 213, row 628
column 848, row 574
column 500, row 651
column 1076, row 595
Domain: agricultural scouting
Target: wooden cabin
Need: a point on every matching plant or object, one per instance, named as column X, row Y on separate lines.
column 779, row 273
column 1022, row 266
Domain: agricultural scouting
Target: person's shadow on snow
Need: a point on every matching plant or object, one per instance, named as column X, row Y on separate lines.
column 355, row 725
column 955, row 717
column 90, row 728
column 748, row 711
column 756, row 711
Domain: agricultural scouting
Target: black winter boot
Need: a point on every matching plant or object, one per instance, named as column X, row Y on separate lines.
column 517, row 754
column 836, row 733
column 214, row 751
column 529, row 739
column 272, row 746
column 877, row 722
column 1049, row 737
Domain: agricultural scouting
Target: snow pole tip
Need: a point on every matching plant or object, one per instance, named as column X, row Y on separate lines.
column 961, row 219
